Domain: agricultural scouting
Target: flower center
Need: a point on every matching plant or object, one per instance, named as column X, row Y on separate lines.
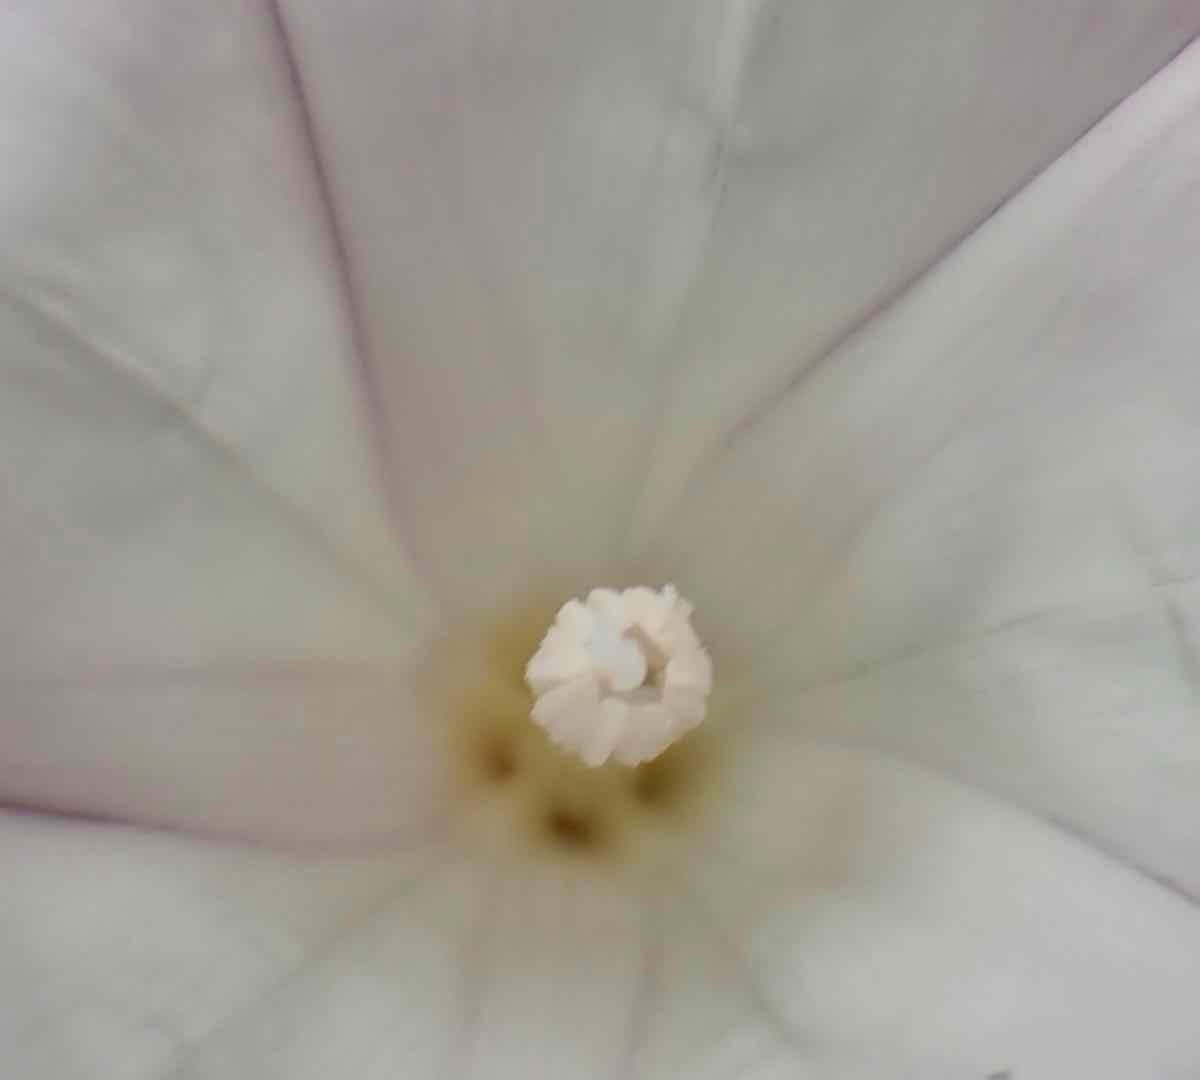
column 621, row 675
column 619, row 660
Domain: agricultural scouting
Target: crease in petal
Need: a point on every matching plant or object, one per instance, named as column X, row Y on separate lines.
column 826, row 217
column 893, row 915
column 170, row 940
column 540, row 1015
column 949, row 464
column 141, row 226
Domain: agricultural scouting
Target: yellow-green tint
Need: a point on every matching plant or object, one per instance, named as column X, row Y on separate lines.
column 515, row 791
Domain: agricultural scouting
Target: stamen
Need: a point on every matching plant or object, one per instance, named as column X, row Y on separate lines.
column 622, row 675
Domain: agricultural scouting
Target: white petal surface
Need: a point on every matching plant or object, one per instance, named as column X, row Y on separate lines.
column 576, row 226
column 699, row 1015
column 498, row 174
column 164, row 239
column 557, row 984
column 393, row 995
column 120, row 950
column 190, row 962
column 1086, row 718
column 842, row 916
column 312, row 755
column 894, row 924
column 1004, row 455
column 474, row 973
column 854, row 142
column 189, row 495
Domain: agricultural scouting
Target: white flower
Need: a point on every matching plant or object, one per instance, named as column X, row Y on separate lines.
column 342, row 342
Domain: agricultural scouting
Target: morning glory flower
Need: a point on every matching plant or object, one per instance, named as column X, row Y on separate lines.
column 599, row 539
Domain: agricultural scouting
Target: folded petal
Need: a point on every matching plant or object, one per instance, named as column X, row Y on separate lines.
column 190, row 497
column 890, row 923
column 988, row 436
column 698, row 1014
column 164, row 237
column 865, row 140
column 1086, row 718
column 974, row 531
column 314, row 756
column 519, row 195
column 555, row 992
column 197, row 963
column 122, row 951
column 394, row 993
column 590, row 238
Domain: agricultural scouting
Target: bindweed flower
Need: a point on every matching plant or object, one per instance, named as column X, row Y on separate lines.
column 849, row 348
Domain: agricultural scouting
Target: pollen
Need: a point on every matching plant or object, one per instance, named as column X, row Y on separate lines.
column 620, row 676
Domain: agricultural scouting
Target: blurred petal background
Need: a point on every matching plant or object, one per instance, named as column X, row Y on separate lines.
column 327, row 330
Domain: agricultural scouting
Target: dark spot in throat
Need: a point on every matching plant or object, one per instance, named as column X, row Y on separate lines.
column 499, row 759
column 572, row 829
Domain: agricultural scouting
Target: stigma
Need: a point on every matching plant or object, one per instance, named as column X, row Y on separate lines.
column 620, row 675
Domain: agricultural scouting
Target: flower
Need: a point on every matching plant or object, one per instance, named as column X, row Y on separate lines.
column 343, row 343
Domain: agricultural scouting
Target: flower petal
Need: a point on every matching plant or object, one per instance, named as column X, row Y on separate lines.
column 189, row 500
column 997, row 398
column 893, row 923
column 556, row 990
column 865, row 141
column 698, row 1014
column 167, row 943
column 175, row 253
column 987, row 466
column 590, row 196
column 186, row 961
column 319, row 756
column 390, row 995
column 519, row 196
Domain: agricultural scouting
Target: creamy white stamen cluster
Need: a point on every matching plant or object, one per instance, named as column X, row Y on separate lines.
column 621, row 675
